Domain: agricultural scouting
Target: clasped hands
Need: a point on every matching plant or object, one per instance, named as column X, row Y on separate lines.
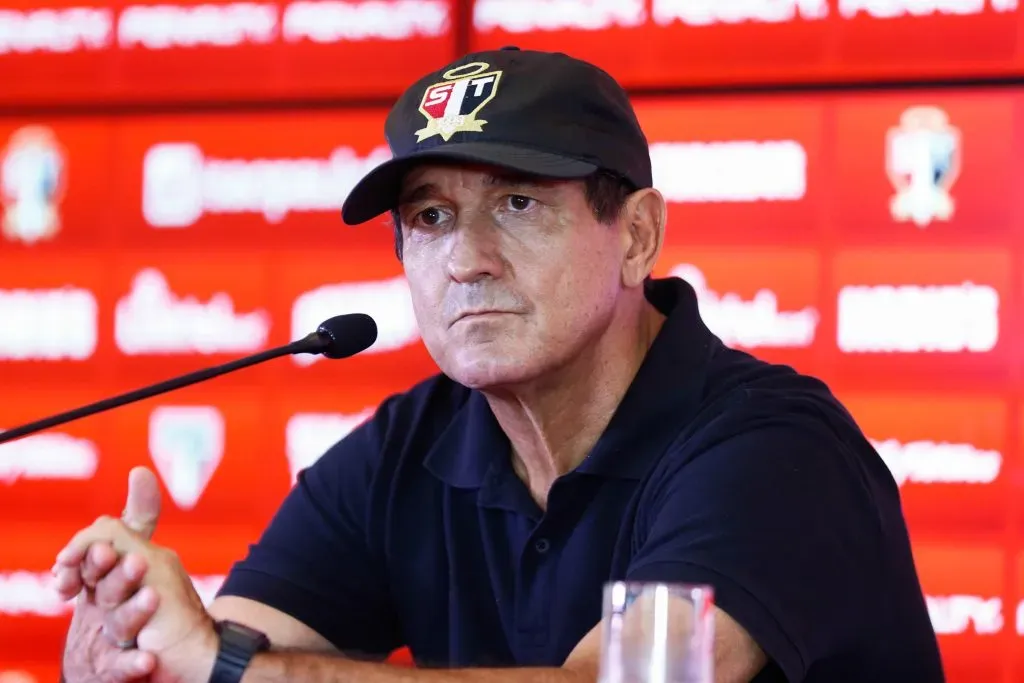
column 137, row 614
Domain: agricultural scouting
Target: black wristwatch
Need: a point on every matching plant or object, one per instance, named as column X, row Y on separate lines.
column 238, row 645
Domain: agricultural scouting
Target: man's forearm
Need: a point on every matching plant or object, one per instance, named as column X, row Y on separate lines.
column 298, row 667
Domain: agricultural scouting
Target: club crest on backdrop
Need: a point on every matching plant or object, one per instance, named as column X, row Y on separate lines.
column 452, row 105
column 32, row 179
column 922, row 160
column 187, row 446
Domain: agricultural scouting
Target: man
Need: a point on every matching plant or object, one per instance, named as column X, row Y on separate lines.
column 587, row 427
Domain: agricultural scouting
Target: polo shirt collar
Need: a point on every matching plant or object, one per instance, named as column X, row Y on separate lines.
column 666, row 393
column 465, row 452
column 663, row 397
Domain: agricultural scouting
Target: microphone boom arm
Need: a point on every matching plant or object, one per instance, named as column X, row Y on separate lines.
column 314, row 342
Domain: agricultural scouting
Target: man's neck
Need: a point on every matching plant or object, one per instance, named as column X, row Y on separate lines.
column 554, row 423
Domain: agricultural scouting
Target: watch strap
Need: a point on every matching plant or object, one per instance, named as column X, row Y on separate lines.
column 238, row 645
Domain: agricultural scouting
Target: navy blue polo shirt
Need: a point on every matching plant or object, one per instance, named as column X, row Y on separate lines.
column 717, row 468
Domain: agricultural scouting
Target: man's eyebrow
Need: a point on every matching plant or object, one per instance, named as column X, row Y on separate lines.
column 419, row 193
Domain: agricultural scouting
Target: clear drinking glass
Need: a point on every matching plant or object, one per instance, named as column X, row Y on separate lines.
column 657, row 633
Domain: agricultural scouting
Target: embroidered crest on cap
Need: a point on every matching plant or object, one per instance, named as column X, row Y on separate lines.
column 452, row 105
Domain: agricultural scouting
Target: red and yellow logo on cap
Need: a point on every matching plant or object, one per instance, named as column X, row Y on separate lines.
column 452, row 105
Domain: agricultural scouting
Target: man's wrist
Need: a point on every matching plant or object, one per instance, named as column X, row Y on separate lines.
column 207, row 648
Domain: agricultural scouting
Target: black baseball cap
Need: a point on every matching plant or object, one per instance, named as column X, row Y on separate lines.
column 539, row 113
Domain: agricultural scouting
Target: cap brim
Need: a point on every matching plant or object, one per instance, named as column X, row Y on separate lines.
column 378, row 191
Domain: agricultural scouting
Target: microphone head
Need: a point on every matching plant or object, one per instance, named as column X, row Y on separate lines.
column 347, row 335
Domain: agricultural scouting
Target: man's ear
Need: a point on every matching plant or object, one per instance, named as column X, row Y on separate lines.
column 644, row 216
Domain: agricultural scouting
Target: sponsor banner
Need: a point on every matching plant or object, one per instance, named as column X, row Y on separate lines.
column 208, row 446
column 247, row 181
column 310, row 287
column 740, row 171
column 52, row 319
column 965, row 586
column 62, row 51
column 53, row 183
column 923, row 318
column 314, row 421
column 52, row 474
column 175, row 312
column 948, row 455
column 664, row 43
column 765, row 302
column 925, row 168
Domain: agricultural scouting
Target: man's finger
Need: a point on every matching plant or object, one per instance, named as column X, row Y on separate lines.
column 122, row 624
column 121, row 582
column 67, row 581
column 130, row 665
column 142, row 509
column 99, row 560
column 103, row 529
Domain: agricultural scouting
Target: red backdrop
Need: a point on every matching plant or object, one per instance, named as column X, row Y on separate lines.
column 182, row 237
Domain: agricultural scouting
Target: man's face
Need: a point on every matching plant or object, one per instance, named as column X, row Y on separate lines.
column 510, row 278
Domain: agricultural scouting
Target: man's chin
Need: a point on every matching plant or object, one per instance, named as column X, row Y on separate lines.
column 491, row 373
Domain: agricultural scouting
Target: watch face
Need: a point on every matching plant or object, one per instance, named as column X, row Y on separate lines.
column 240, row 633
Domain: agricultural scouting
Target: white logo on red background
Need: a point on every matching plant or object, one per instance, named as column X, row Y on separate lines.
column 32, row 181
column 187, row 445
column 928, row 462
column 893, row 9
column 526, row 16
column 48, row 324
column 958, row 614
column 922, row 159
column 152, row 319
column 389, row 300
column 28, row 593
column 730, row 171
column 332, row 22
column 55, row 29
column 718, row 12
column 50, row 455
column 309, row 435
column 165, row 26
column 750, row 323
column 918, row 318
column 172, row 185
column 16, row 676
column 181, row 184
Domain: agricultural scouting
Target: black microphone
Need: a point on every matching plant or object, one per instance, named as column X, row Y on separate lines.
column 339, row 337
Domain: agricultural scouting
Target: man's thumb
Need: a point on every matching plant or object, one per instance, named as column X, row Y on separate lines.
column 142, row 510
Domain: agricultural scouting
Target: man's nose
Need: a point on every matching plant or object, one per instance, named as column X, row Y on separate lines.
column 475, row 252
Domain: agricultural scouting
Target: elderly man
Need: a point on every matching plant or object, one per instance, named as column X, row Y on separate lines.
column 587, row 427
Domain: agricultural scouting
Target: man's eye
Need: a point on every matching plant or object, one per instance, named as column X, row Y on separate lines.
column 429, row 217
column 518, row 202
